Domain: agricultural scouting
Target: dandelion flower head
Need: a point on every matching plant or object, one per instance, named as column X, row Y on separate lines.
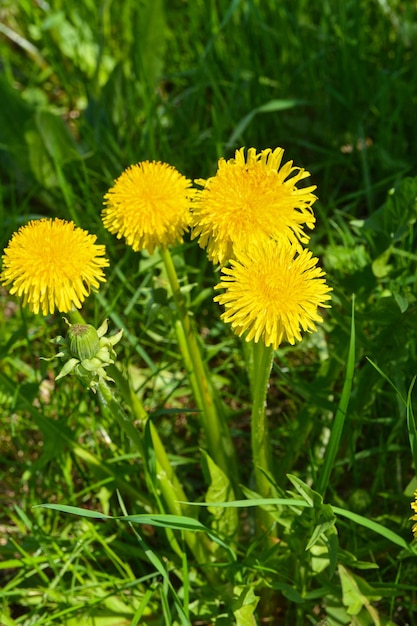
column 272, row 292
column 414, row 517
column 53, row 264
column 149, row 205
column 251, row 199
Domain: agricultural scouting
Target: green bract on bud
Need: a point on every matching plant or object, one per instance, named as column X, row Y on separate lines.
column 83, row 341
column 87, row 352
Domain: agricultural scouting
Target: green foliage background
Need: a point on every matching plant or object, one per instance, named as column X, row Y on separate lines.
column 88, row 88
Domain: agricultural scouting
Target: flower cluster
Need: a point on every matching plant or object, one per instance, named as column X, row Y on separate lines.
column 250, row 216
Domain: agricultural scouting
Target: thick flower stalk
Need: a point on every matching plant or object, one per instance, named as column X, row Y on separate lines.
column 272, row 293
column 52, row 264
column 251, row 200
column 414, row 517
column 149, row 205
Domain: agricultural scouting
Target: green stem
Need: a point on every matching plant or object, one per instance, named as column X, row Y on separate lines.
column 219, row 441
column 75, row 317
column 261, row 450
column 109, row 403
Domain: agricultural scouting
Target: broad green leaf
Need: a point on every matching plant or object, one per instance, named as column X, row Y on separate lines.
column 352, row 598
column 244, row 606
column 220, row 490
column 380, row 267
column 357, row 594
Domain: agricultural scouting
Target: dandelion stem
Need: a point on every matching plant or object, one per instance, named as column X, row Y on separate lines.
column 219, row 442
column 75, row 317
column 261, row 449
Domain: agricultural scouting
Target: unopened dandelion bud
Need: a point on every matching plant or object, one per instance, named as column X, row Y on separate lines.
column 83, row 341
column 88, row 352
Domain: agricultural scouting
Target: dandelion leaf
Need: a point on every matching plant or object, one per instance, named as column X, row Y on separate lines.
column 225, row 520
column 244, row 606
column 358, row 594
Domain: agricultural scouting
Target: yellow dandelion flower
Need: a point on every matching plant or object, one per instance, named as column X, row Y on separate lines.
column 414, row 517
column 149, row 205
column 52, row 264
column 249, row 200
column 272, row 293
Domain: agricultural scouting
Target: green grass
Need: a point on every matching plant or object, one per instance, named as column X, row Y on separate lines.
column 89, row 88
